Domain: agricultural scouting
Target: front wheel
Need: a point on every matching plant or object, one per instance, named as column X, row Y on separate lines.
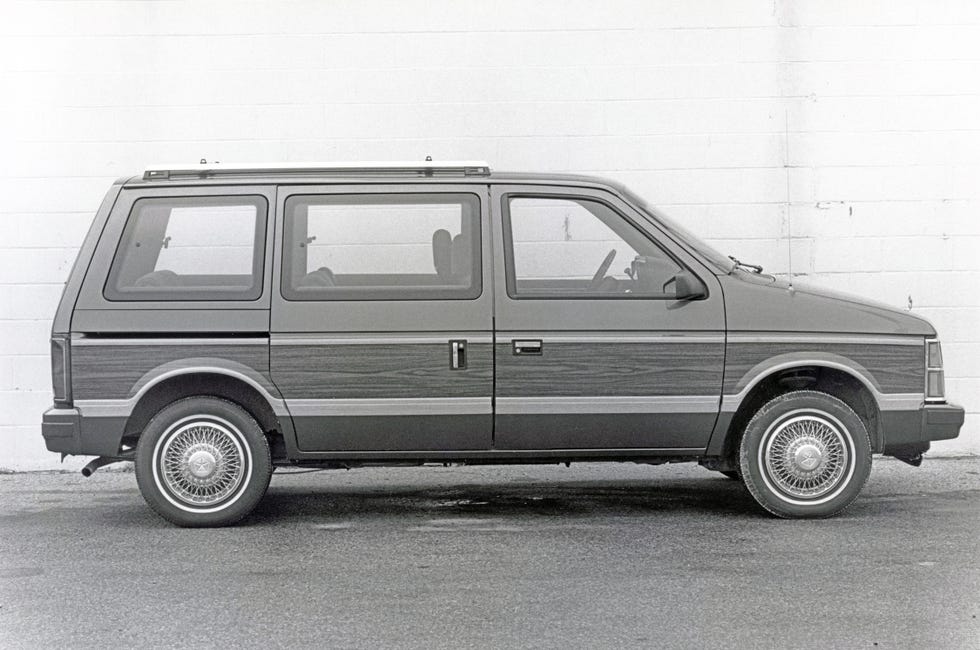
column 805, row 454
column 203, row 461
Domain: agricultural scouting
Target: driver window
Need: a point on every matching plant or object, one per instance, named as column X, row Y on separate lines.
column 579, row 248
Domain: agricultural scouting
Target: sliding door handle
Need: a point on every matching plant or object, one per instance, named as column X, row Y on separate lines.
column 457, row 355
column 524, row 347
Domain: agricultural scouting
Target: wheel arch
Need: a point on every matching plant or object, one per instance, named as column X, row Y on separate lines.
column 234, row 387
column 851, row 386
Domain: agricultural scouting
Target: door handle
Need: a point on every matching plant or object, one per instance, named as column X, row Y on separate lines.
column 457, row 355
column 524, row 348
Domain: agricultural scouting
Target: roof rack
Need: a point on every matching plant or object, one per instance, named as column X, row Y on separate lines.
column 205, row 169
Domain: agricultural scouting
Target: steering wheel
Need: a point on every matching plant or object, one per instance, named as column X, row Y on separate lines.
column 601, row 272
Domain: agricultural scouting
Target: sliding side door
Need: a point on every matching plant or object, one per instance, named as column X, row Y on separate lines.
column 381, row 317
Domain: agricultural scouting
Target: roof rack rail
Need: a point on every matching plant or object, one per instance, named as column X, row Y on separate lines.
column 205, row 169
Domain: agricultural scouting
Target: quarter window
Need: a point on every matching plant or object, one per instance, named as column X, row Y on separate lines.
column 382, row 247
column 580, row 248
column 191, row 248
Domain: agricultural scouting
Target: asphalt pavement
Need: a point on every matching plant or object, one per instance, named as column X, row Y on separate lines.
column 591, row 556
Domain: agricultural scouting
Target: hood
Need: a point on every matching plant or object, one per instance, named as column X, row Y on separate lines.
column 756, row 302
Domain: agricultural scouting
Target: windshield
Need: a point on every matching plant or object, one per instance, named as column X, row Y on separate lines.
column 680, row 232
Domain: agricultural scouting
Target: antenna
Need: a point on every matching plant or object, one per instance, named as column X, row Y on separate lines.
column 789, row 206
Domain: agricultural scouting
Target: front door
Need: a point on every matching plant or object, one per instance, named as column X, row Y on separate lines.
column 381, row 317
column 593, row 350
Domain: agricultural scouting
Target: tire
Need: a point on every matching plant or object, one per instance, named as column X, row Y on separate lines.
column 228, row 449
column 805, row 454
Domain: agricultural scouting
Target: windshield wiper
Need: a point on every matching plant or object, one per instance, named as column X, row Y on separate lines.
column 755, row 268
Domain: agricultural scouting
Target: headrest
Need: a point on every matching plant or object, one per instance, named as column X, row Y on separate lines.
column 442, row 244
column 161, row 278
column 461, row 263
column 322, row 277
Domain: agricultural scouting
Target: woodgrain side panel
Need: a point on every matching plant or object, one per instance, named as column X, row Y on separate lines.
column 896, row 368
column 372, row 371
column 112, row 371
column 607, row 369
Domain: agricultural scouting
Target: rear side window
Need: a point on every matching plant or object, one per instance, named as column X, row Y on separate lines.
column 191, row 248
column 382, row 247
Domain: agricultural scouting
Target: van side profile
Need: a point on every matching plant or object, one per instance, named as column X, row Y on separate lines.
column 224, row 320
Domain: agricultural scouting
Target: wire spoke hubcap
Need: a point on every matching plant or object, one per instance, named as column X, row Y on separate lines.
column 202, row 463
column 806, row 457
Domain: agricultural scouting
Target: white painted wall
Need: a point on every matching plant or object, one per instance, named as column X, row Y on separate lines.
column 856, row 126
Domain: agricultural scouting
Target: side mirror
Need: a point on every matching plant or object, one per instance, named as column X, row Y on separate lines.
column 687, row 286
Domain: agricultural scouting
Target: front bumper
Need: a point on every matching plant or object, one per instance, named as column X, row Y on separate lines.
column 902, row 430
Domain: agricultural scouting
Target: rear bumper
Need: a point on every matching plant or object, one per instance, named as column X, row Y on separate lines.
column 942, row 421
column 69, row 431
column 909, row 429
column 61, row 428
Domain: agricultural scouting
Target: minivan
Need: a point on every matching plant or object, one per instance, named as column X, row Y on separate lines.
column 225, row 320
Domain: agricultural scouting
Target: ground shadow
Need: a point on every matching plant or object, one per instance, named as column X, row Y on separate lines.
column 531, row 498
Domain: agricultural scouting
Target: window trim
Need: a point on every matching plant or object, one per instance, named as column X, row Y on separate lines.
column 259, row 250
column 508, row 246
column 385, row 294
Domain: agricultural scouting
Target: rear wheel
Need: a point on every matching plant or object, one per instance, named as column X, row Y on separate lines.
column 203, row 461
column 805, row 454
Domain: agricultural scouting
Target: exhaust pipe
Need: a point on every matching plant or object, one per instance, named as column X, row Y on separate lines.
column 101, row 461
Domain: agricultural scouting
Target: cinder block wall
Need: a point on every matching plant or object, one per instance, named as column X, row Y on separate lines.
column 846, row 132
